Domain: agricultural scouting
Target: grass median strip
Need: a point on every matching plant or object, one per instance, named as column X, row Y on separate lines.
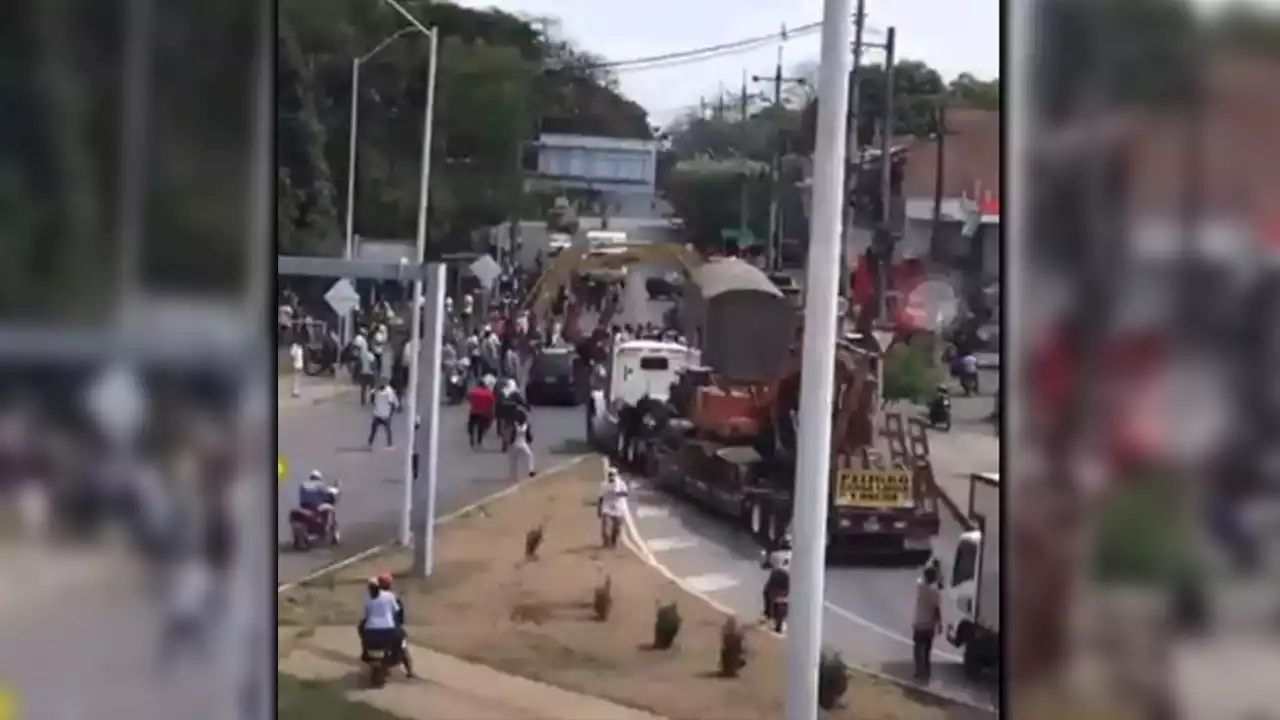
column 539, row 615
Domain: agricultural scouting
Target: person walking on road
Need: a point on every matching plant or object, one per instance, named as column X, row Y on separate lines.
column 926, row 623
column 297, row 359
column 480, row 402
column 521, row 449
column 612, row 507
column 384, row 402
column 365, row 367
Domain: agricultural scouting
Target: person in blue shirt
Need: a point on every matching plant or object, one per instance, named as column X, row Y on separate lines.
column 316, row 495
column 382, row 625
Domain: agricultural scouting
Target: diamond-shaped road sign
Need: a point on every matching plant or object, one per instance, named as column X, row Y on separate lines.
column 486, row 269
column 342, row 297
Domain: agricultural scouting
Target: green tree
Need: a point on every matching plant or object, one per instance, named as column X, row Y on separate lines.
column 968, row 91
column 909, row 374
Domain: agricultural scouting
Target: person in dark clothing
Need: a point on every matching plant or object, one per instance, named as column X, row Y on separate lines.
column 926, row 622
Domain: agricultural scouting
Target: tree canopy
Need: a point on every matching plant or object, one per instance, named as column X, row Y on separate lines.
column 500, row 83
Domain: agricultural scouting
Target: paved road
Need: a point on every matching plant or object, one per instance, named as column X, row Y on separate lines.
column 331, row 437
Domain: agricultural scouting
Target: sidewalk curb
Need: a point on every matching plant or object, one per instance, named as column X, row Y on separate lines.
column 443, row 519
column 635, row 542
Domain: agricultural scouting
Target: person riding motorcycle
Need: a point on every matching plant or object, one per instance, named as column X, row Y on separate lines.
column 509, row 401
column 382, row 624
column 940, row 405
column 778, row 563
column 315, row 496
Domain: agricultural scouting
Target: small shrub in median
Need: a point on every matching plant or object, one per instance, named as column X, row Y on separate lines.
column 833, row 680
column 666, row 626
column 532, row 541
column 602, row 601
column 733, row 647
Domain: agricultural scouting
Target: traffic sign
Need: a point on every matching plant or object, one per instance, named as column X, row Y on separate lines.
column 487, row 270
column 281, row 469
column 342, row 297
column 8, row 704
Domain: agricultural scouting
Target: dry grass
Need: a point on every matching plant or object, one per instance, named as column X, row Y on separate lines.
column 487, row 604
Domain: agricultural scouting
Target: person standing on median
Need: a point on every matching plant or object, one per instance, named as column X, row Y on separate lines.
column 612, row 507
column 384, row 403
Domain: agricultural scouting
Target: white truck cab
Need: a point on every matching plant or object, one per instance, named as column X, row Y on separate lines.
column 971, row 578
column 636, row 368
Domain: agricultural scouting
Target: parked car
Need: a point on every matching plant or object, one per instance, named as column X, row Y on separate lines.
column 551, row 378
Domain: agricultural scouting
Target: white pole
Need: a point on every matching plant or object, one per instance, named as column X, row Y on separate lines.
column 349, row 249
column 817, row 391
column 415, row 331
column 428, row 435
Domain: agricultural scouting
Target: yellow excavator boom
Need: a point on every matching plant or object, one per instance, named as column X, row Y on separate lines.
column 581, row 259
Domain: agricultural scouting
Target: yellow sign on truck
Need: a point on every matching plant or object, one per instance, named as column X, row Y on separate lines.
column 873, row 488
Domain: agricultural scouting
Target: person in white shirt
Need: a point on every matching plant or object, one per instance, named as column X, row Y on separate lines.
column 384, row 402
column 298, row 358
column 612, row 507
column 381, row 623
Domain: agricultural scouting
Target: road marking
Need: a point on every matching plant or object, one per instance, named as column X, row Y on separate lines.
column 665, row 544
column 450, row 517
column 636, row 543
column 652, row 511
column 711, row 582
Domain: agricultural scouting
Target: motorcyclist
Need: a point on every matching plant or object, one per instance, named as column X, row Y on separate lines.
column 509, row 400
column 778, row 563
column 938, row 405
column 314, row 495
column 382, row 624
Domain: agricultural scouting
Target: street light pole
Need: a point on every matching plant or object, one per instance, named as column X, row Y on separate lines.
column 817, row 386
column 348, row 250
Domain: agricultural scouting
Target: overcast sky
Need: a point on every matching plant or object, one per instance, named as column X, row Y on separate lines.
column 953, row 36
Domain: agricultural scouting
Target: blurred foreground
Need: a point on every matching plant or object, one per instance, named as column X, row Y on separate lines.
column 1145, row 494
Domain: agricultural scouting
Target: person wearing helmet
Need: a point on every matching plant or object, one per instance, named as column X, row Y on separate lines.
column 778, row 563
column 382, row 624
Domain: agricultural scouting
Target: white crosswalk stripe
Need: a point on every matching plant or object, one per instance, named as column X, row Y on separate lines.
column 710, row 582
column 666, row 544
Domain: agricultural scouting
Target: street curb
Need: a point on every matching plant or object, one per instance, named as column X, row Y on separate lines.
column 635, row 542
column 443, row 519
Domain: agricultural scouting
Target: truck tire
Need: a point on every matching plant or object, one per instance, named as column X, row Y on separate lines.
column 774, row 532
column 591, row 430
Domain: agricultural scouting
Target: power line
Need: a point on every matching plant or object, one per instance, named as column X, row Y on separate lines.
column 729, row 52
column 734, row 45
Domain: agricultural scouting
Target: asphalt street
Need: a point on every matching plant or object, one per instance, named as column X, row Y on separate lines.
column 330, row 437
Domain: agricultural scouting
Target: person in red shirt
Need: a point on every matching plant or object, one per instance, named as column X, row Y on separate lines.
column 480, row 401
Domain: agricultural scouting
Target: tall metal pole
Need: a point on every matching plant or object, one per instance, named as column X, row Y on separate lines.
column 420, row 252
column 427, row 437
column 348, row 251
column 775, row 168
column 853, row 150
column 743, row 197
column 882, row 241
column 817, row 386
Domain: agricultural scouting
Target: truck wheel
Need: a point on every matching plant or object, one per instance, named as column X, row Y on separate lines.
column 774, row 535
column 974, row 665
column 591, row 434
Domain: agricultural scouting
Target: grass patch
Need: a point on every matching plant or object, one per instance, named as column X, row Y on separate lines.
column 317, row 700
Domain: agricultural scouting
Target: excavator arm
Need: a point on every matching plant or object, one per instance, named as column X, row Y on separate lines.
column 581, row 259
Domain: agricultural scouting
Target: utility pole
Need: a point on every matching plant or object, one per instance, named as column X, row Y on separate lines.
column 882, row 241
column 939, row 168
column 853, row 151
column 743, row 199
column 774, row 247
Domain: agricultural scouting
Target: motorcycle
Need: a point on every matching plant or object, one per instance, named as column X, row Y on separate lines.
column 940, row 413
column 319, row 361
column 455, row 382
column 380, row 661
column 311, row 526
